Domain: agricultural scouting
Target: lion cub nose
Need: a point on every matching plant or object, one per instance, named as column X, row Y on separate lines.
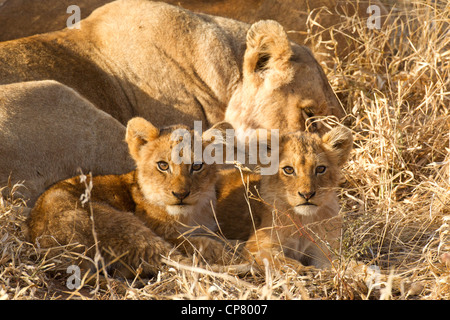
column 181, row 195
column 307, row 195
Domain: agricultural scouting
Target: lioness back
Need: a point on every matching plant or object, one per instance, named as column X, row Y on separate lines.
column 48, row 131
column 171, row 65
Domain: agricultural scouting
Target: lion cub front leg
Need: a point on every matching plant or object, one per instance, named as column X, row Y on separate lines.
column 265, row 253
column 123, row 235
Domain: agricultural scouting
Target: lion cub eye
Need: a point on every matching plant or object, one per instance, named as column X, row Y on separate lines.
column 288, row 170
column 197, row 167
column 321, row 169
column 163, row 166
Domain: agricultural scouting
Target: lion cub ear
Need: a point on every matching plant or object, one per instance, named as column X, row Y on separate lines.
column 218, row 131
column 267, row 55
column 340, row 141
column 139, row 132
column 214, row 141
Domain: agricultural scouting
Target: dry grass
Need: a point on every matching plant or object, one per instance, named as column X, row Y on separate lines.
column 395, row 202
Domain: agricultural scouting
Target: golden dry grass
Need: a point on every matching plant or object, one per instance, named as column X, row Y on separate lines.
column 395, row 201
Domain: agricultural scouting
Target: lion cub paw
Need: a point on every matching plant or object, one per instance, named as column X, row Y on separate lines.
column 209, row 249
column 146, row 256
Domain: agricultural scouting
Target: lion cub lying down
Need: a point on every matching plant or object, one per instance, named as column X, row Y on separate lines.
column 140, row 215
column 296, row 213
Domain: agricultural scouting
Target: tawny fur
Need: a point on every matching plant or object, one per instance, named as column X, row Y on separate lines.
column 275, row 221
column 48, row 132
column 150, row 59
column 137, row 214
column 161, row 62
column 20, row 18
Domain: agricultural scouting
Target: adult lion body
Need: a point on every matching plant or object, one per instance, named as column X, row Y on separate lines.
column 48, row 131
column 149, row 59
column 20, row 18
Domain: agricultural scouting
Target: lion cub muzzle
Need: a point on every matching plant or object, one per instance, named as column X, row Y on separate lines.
column 181, row 196
column 307, row 196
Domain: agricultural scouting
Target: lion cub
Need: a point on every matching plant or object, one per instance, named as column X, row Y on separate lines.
column 137, row 216
column 292, row 214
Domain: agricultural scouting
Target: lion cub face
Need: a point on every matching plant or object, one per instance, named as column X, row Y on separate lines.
column 167, row 177
column 309, row 170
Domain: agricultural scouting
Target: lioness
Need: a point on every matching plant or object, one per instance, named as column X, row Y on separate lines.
column 161, row 62
column 48, row 131
column 21, row 18
column 137, row 216
column 293, row 213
